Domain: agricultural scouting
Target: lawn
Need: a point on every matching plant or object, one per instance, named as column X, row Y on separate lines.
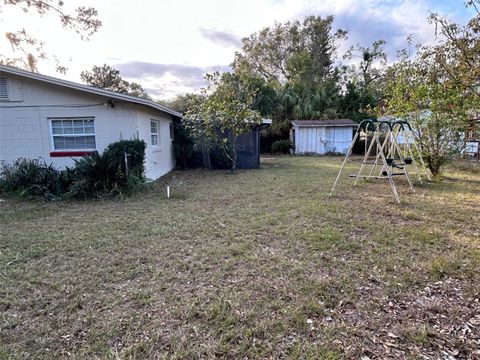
column 262, row 264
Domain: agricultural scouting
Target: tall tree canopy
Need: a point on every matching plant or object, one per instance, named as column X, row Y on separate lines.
column 439, row 90
column 363, row 80
column 459, row 52
column 292, row 51
column 108, row 78
column 372, row 62
column 422, row 92
column 83, row 21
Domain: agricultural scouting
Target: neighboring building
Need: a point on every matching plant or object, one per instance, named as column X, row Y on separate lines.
column 58, row 121
column 322, row 136
column 472, row 137
column 248, row 147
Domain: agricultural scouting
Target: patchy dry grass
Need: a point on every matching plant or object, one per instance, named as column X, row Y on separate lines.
column 258, row 265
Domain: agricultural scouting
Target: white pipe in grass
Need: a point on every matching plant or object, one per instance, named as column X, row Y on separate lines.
column 168, row 192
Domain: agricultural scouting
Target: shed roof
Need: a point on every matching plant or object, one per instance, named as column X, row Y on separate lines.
column 324, row 123
column 88, row 89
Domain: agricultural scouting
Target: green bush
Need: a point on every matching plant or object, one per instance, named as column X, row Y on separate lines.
column 34, row 178
column 282, row 146
column 135, row 150
column 218, row 158
column 96, row 175
column 106, row 174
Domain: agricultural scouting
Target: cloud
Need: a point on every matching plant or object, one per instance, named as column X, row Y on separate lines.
column 165, row 80
column 222, row 38
column 371, row 20
column 365, row 33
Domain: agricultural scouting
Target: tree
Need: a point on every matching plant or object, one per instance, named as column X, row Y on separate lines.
column 302, row 101
column 108, row 78
column 221, row 113
column 178, row 103
column 292, row 51
column 422, row 92
column 357, row 103
column 373, row 61
column 363, row 82
column 459, row 51
column 83, row 21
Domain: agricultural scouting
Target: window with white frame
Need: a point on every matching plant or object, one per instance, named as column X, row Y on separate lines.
column 154, row 132
column 73, row 134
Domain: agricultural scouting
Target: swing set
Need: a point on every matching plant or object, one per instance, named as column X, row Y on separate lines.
column 393, row 151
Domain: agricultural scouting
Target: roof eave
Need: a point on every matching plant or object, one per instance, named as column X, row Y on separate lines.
column 89, row 89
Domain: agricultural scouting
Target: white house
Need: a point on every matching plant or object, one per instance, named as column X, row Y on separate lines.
column 57, row 121
column 322, row 136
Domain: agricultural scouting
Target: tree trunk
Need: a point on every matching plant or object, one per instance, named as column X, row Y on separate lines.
column 234, row 162
column 206, row 157
column 234, row 154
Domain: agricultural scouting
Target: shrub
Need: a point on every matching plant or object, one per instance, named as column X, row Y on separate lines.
column 106, row 174
column 218, row 158
column 135, row 150
column 35, row 178
column 183, row 146
column 282, row 146
column 95, row 175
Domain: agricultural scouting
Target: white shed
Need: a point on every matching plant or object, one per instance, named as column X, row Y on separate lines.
column 322, row 136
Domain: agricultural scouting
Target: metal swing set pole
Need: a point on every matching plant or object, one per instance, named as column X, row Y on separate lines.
column 389, row 175
column 415, row 145
column 377, row 157
column 365, row 158
column 395, row 146
column 349, row 151
column 380, row 155
column 409, row 152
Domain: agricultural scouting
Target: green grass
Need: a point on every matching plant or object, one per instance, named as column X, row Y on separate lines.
column 262, row 264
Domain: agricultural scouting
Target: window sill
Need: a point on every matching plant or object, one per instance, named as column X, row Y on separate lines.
column 71, row 153
column 156, row 149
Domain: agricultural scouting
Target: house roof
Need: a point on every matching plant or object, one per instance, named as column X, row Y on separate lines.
column 89, row 89
column 324, row 123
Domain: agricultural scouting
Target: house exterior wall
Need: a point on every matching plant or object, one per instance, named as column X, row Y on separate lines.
column 472, row 148
column 160, row 159
column 25, row 130
column 322, row 139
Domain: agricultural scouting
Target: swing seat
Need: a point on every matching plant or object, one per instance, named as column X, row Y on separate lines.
column 384, row 173
column 391, row 162
column 408, row 160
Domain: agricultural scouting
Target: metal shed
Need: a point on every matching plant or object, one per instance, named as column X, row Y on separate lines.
column 322, row 136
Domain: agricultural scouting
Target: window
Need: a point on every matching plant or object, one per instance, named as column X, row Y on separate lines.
column 73, row 134
column 154, row 132
column 3, row 89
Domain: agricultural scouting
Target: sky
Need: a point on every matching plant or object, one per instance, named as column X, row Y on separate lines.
column 167, row 46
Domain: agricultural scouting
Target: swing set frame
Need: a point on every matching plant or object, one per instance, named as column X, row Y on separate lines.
column 389, row 155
